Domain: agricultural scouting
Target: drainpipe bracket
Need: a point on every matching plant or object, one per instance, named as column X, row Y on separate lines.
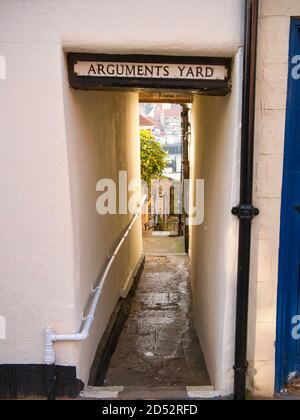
column 85, row 318
column 94, row 290
column 241, row 370
column 245, row 212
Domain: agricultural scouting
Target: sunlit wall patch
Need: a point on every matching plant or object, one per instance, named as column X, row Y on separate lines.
column 2, row 67
column 2, row 328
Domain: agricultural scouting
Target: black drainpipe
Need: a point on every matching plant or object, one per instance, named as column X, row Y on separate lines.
column 50, row 382
column 245, row 211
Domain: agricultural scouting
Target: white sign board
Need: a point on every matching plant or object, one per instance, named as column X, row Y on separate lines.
column 150, row 70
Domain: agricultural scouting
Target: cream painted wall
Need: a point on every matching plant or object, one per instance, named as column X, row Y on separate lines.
column 199, row 27
column 49, row 237
column 36, row 235
column 103, row 139
column 53, row 242
column 273, row 45
column 216, row 159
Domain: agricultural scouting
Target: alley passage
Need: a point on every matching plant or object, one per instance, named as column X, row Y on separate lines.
column 159, row 346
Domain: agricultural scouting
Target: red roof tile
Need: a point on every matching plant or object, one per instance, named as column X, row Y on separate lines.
column 147, row 122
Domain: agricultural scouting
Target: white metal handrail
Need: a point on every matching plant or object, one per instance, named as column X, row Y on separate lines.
column 51, row 338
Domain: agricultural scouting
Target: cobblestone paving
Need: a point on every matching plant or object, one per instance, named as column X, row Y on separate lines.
column 159, row 345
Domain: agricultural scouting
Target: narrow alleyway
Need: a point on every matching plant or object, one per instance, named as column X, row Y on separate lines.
column 159, row 345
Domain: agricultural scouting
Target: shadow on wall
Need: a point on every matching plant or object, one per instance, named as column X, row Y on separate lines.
column 103, row 139
column 216, row 159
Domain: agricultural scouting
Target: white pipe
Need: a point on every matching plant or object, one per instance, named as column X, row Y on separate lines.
column 51, row 338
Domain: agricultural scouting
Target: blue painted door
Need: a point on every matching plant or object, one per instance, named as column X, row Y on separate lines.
column 288, row 347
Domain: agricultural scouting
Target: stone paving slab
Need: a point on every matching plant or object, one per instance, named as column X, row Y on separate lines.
column 163, row 245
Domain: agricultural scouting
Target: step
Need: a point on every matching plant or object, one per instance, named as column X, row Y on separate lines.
column 145, row 393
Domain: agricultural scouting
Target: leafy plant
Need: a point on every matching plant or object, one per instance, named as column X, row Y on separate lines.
column 153, row 157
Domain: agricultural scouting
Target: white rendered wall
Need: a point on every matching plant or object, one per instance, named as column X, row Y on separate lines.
column 36, row 236
column 54, row 242
column 216, row 159
column 198, row 27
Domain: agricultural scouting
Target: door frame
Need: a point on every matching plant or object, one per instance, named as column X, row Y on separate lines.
column 283, row 333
